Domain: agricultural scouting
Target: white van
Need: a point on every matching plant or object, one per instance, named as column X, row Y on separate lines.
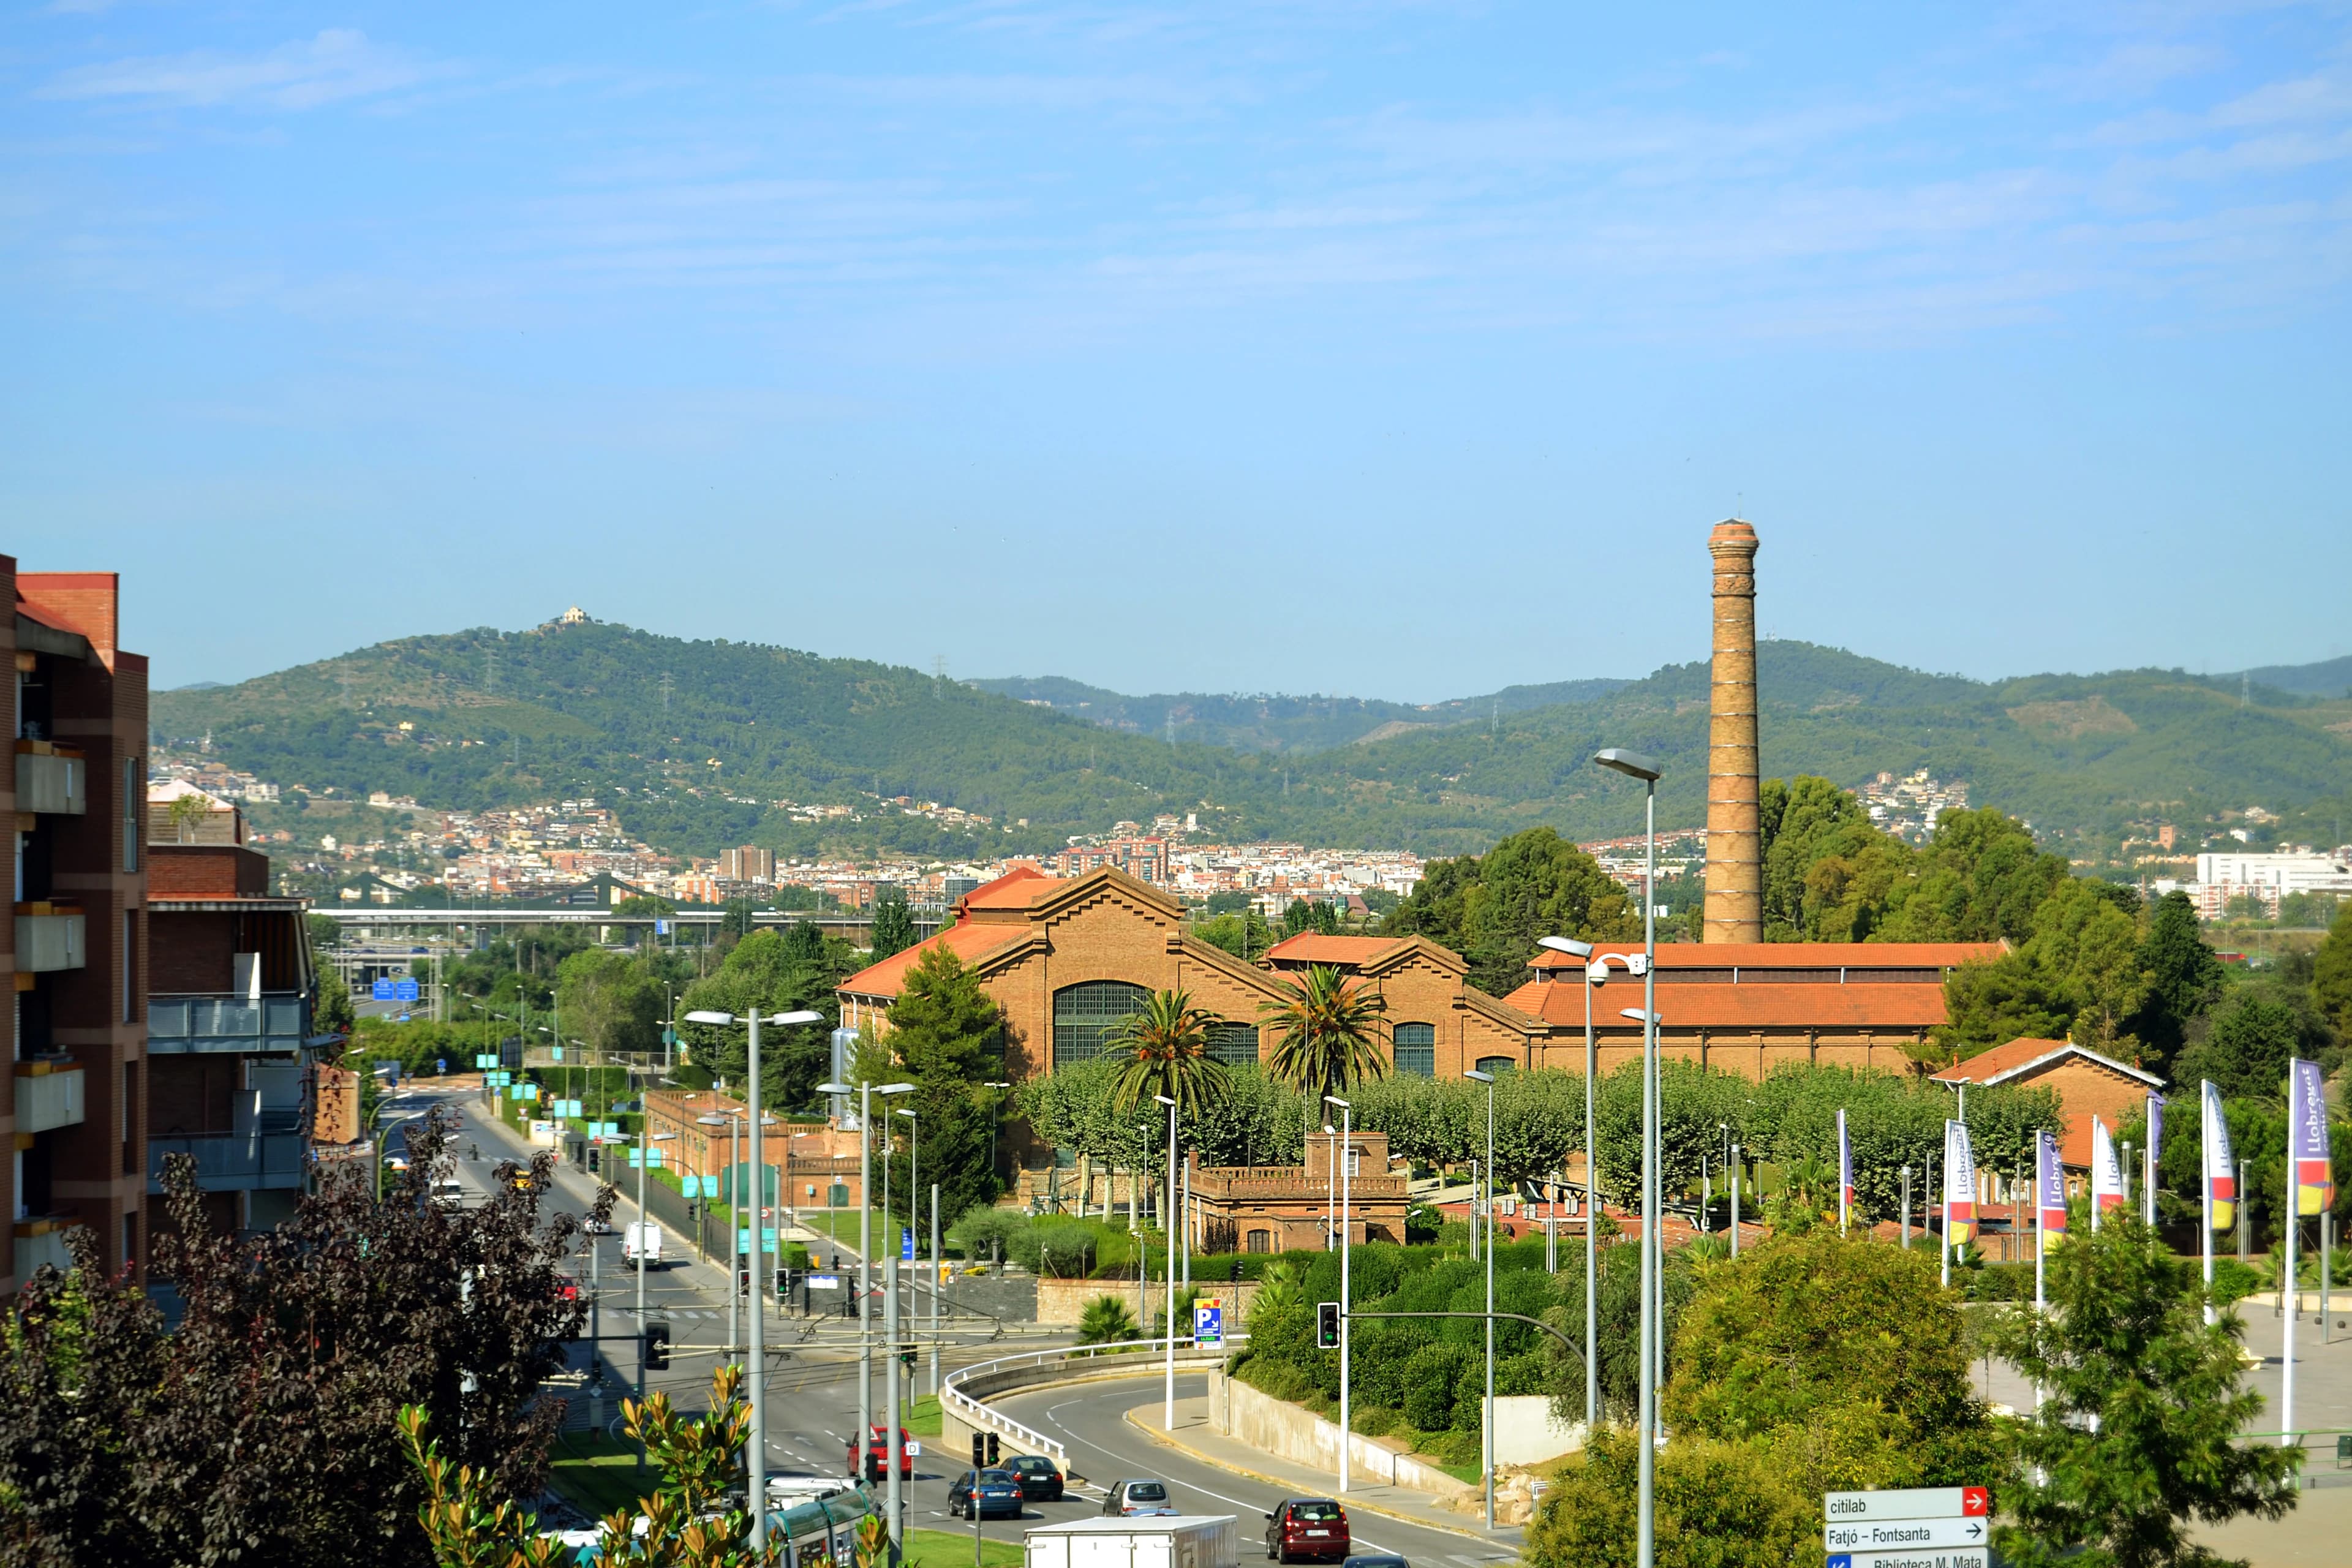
column 642, row 1235
column 447, row 1194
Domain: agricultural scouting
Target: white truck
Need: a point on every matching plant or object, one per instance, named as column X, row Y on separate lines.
column 1168, row 1541
column 642, row 1236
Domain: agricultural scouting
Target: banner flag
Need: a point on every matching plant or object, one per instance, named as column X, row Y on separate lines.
column 2220, row 1166
column 1845, row 1173
column 1959, row 1186
column 2106, row 1173
column 2307, row 1133
column 2050, row 1186
column 2149, row 1159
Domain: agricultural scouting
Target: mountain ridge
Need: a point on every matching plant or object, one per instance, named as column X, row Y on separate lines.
column 699, row 743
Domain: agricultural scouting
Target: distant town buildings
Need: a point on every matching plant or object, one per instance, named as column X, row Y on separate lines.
column 1908, row 807
column 2223, row 878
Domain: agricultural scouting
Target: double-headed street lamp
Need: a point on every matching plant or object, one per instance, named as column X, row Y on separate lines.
column 1168, row 1290
column 1634, row 764
column 1488, row 1420
column 865, row 1092
column 757, row 1459
column 1347, row 1147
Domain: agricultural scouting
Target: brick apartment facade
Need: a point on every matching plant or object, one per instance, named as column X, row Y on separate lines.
column 77, row 1121
column 818, row 1164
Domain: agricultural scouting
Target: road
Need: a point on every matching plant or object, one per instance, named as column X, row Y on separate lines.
column 812, row 1405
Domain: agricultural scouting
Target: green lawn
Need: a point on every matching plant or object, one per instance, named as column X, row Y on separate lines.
column 596, row 1474
column 948, row 1549
column 841, row 1226
column 923, row 1420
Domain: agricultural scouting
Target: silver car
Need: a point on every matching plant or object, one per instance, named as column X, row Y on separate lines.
column 1133, row 1500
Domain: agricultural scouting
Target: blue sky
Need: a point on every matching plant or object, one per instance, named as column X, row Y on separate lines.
column 1401, row 350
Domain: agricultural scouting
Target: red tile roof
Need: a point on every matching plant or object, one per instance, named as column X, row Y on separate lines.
column 1016, row 890
column 967, row 939
column 2005, row 1062
column 1309, row 947
column 1792, row 954
column 1697, row 1005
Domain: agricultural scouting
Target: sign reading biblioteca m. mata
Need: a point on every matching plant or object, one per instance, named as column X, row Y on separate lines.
column 1919, row 1526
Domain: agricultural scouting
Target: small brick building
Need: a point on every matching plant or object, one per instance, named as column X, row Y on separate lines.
column 1273, row 1208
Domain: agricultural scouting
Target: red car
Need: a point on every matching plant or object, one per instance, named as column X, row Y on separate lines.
column 877, row 1454
column 1307, row 1529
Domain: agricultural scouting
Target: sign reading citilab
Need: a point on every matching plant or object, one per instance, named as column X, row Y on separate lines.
column 1920, row 1527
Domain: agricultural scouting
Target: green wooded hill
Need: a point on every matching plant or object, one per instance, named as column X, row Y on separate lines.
column 695, row 742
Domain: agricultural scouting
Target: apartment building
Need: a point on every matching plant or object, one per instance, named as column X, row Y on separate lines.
column 232, row 1052
column 76, row 1122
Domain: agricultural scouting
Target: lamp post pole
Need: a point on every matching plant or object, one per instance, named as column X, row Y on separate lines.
column 865, row 1092
column 1488, row 1420
column 1596, row 972
column 1168, row 1222
column 1635, row 765
column 1347, row 1195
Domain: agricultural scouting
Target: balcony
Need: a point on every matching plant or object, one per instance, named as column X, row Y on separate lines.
column 49, row 937
column 40, row 1241
column 225, row 1021
column 51, row 778
column 48, row 1095
column 232, row 1162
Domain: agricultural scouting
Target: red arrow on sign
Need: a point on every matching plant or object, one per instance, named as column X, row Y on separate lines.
column 1975, row 1503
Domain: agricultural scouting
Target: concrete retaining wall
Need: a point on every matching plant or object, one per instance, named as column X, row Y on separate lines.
column 1063, row 1301
column 955, row 1433
column 1287, row 1431
column 1526, row 1433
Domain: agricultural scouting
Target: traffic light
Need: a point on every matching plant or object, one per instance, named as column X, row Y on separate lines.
column 1326, row 1325
column 978, row 1452
column 592, row 1158
column 994, row 1451
column 656, row 1347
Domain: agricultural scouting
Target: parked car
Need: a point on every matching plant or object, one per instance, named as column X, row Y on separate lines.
column 1131, row 1499
column 1040, row 1481
column 1307, row 1529
column 877, row 1454
column 999, row 1494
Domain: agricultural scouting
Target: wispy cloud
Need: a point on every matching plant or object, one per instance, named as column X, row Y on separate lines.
column 338, row 65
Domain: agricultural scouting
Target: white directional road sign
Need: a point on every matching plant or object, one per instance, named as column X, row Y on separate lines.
column 1918, row 1502
column 1930, row 1557
column 1886, row 1534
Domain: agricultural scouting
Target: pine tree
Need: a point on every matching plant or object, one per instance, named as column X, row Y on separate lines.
column 894, row 924
column 2142, row 1406
column 2184, row 974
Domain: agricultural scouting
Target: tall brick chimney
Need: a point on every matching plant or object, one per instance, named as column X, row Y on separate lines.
column 1735, row 851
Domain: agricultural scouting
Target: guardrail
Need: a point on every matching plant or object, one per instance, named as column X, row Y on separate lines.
column 1006, row 1373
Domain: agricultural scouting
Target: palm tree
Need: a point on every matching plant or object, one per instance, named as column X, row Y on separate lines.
column 1107, row 1321
column 1164, row 1049
column 1331, row 1033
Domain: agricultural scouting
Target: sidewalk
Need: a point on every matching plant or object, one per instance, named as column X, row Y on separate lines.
column 1195, row 1435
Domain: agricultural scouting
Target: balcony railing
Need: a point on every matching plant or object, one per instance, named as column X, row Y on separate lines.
column 48, row 1095
column 184, row 1024
column 52, row 779
column 231, row 1162
column 42, row 1240
column 49, row 937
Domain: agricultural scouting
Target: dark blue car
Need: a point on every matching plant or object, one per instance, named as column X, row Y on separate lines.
column 999, row 1494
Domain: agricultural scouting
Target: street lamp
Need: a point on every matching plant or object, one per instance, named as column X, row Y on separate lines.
column 1168, row 1287
column 1634, row 764
column 915, row 1227
column 756, row 1352
column 865, row 1093
column 1596, row 973
column 1488, row 1079
column 646, row 1138
column 1347, row 1147
column 734, row 1121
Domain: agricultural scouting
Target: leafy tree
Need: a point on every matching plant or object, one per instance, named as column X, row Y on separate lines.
column 1982, row 879
column 2245, row 1055
column 2331, row 972
column 948, row 1034
column 894, row 924
column 1437, row 907
column 1531, row 885
column 263, row 1425
column 2143, row 1408
column 1243, row 933
column 1830, row 874
column 607, row 999
column 687, row 1522
column 2079, row 975
column 1163, row 1049
column 1798, row 1324
column 1719, row 1505
column 1329, row 1034
column 2185, row 978
column 1077, row 1109
column 334, row 1013
column 735, row 917
column 770, row 971
column 1310, row 915
column 639, row 906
